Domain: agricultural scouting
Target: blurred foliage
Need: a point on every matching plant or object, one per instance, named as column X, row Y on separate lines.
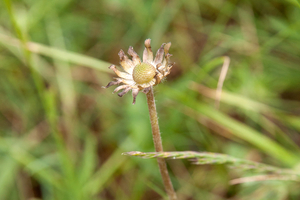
column 62, row 135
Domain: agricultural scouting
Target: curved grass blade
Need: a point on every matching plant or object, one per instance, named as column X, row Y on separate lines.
column 203, row 158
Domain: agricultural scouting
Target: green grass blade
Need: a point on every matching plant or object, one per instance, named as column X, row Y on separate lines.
column 9, row 168
column 239, row 129
column 75, row 58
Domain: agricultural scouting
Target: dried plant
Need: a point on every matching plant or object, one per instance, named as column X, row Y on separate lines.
column 142, row 76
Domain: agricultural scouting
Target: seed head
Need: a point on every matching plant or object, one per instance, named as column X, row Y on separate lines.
column 143, row 73
column 140, row 76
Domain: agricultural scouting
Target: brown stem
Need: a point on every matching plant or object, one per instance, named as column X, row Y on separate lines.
column 158, row 146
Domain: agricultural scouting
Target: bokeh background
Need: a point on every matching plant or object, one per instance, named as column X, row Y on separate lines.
column 62, row 135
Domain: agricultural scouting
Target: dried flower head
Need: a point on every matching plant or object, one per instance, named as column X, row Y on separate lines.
column 140, row 76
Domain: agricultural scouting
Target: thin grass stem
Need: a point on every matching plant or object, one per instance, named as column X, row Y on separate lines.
column 158, row 145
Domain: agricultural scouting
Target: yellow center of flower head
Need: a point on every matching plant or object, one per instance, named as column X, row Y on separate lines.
column 143, row 73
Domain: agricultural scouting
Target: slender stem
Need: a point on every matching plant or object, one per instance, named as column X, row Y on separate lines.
column 158, row 146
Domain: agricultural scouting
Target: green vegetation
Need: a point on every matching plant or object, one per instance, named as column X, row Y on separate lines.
column 62, row 136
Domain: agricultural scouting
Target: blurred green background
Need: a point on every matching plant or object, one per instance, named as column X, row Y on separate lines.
column 62, row 135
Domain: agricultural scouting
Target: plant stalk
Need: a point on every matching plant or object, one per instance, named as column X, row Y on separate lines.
column 158, row 146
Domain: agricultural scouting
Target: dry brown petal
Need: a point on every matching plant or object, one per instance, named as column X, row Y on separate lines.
column 148, row 54
column 125, row 62
column 167, row 47
column 113, row 83
column 120, row 74
column 159, row 55
column 124, row 91
column 135, row 57
column 135, row 92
